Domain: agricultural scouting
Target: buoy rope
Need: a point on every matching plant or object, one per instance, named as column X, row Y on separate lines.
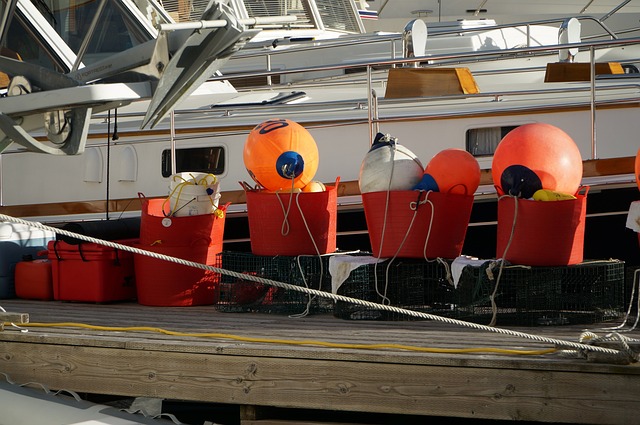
column 310, row 297
column 635, row 287
column 284, row 230
column 440, row 260
column 334, row 297
column 433, row 213
column 492, row 297
column 383, row 294
column 414, row 205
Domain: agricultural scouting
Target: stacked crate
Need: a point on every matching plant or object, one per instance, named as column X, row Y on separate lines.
column 247, row 295
column 588, row 292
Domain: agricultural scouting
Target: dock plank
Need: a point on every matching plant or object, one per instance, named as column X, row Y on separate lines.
column 216, row 368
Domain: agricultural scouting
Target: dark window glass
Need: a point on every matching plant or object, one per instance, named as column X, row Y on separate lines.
column 484, row 141
column 202, row 160
column 24, row 44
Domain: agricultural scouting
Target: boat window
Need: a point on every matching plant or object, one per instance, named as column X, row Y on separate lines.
column 265, row 8
column 184, row 11
column 484, row 141
column 116, row 30
column 25, row 44
column 338, row 15
column 202, row 160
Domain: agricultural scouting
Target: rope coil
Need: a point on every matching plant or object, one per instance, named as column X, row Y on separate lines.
column 211, row 192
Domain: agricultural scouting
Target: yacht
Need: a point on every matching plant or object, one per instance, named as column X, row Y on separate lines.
column 128, row 151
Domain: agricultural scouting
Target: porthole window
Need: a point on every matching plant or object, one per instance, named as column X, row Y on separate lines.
column 203, row 160
column 484, row 141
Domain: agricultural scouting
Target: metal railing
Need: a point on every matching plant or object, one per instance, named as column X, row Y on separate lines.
column 393, row 39
column 373, row 106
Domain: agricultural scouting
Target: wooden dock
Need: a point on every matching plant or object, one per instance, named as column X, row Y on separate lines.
column 318, row 362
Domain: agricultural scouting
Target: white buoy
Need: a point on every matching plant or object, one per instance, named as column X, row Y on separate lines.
column 389, row 166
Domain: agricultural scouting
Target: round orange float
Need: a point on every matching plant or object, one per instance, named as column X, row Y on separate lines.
column 535, row 152
column 454, row 171
column 281, row 154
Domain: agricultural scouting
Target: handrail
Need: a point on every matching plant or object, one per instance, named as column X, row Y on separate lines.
column 372, row 105
column 358, row 104
column 610, row 32
column 305, row 45
column 435, row 60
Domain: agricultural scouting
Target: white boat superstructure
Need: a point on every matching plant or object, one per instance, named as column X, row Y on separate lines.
column 61, row 62
column 211, row 128
column 616, row 14
column 326, row 42
column 332, row 32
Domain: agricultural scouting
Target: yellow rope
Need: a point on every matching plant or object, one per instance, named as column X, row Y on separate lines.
column 292, row 342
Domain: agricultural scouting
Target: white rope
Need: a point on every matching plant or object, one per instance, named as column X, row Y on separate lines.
column 383, row 295
column 310, row 297
column 620, row 327
column 284, row 230
column 286, row 224
column 414, row 205
column 431, row 218
column 492, row 297
column 334, row 297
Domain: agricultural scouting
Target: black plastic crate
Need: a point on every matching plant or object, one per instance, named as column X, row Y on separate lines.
column 589, row 292
column 244, row 295
column 417, row 285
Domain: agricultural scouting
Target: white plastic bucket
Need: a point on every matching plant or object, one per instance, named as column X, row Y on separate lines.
column 193, row 194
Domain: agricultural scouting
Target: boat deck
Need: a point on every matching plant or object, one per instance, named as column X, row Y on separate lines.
column 318, row 362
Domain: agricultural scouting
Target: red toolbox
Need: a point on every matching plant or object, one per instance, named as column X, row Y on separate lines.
column 91, row 272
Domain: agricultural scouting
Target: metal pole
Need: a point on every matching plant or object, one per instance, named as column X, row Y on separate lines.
column 173, row 143
column 269, row 80
column 614, row 10
column 374, row 104
column 88, row 34
column 221, row 23
column 593, row 102
column 369, row 104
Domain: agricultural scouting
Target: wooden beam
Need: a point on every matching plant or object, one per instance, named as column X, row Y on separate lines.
column 566, row 71
column 416, row 82
column 523, row 393
column 18, row 318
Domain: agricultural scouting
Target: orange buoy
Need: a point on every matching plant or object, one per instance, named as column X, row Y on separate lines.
column 454, row 171
column 281, row 154
column 533, row 152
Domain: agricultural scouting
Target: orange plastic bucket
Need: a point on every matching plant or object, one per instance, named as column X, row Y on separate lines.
column 547, row 233
column 165, row 283
column 155, row 228
column 411, row 214
column 308, row 228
